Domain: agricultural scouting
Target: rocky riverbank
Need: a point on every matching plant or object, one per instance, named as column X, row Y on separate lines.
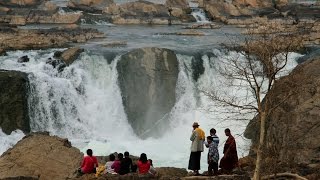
column 39, row 156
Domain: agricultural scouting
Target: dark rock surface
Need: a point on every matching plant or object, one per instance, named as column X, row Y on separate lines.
column 293, row 130
column 94, row 6
column 14, row 101
column 40, row 156
column 147, row 79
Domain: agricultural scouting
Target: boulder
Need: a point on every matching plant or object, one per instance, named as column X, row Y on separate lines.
column 171, row 172
column 21, row 3
column 292, row 129
column 182, row 4
column 23, row 59
column 139, row 12
column 70, row 55
column 14, row 101
column 46, row 17
column 147, row 80
column 40, row 156
column 93, row 6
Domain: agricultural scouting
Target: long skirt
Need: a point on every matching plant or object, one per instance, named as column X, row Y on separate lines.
column 194, row 160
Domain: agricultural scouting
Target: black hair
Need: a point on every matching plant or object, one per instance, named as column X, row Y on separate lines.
column 210, row 138
column 126, row 154
column 120, row 156
column 150, row 160
column 112, row 157
column 143, row 158
column 227, row 130
column 89, row 152
column 213, row 131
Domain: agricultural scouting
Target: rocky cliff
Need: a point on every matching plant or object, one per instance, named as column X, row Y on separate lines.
column 147, row 79
column 293, row 131
column 14, row 101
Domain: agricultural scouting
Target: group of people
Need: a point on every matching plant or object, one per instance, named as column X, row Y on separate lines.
column 229, row 160
column 121, row 165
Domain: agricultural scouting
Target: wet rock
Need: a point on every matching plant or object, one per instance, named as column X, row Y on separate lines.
column 14, row 101
column 41, row 156
column 204, row 26
column 2, row 52
column 147, row 79
column 23, row 59
column 94, row 6
column 115, row 44
column 57, row 63
column 292, row 131
column 70, row 55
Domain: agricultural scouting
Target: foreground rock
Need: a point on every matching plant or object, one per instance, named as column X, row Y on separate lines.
column 147, row 79
column 21, row 39
column 14, row 101
column 40, row 156
column 292, row 139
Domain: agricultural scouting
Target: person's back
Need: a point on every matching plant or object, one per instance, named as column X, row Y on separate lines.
column 109, row 164
column 143, row 164
column 125, row 165
column 117, row 163
column 89, row 163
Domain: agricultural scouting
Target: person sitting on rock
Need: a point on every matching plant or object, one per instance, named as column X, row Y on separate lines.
column 89, row 163
column 152, row 170
column 143, row 165
column 109, row 164
column 117, row 163
column 126, row 164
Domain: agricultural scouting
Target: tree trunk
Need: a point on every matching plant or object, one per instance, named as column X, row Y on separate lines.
column 257, row 170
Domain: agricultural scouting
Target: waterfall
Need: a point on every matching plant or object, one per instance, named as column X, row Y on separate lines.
column 199, row 15
column 83, row 103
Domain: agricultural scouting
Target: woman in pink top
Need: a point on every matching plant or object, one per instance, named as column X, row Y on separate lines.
column 143, row 164
column 117, row 164
column 89, row 163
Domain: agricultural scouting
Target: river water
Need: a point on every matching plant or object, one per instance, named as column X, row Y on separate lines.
column 95, row 118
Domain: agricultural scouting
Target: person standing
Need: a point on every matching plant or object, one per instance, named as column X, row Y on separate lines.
column 197, row 138
column 229, row 160
column 213, row 157
column 214, row 136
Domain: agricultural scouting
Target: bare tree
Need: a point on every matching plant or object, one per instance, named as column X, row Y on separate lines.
column 260, row 58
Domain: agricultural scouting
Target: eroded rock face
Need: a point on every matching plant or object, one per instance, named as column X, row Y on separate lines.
column 147, row 79
column 14, row 101
column 40, row 156
column 139, row 12
column 293, row 131
column 90, row 5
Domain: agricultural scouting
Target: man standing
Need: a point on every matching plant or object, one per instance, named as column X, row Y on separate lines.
column 213, row 151
column 197, row 138
column 214, row 136
column 230, row 157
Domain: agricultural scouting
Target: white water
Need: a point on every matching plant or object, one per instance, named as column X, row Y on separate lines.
column 83, row 103
column 199, row 15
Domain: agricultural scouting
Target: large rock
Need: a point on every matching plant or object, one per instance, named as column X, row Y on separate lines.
column 139, row 12
column 90, row 5
column 40, row 156
column 183, row 4
column 147, row 79
column 14, row 101
column 71, row 54
column 293, row 131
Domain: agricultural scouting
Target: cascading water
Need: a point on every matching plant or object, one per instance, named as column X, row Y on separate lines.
column 83, row 103
column 199, row 15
